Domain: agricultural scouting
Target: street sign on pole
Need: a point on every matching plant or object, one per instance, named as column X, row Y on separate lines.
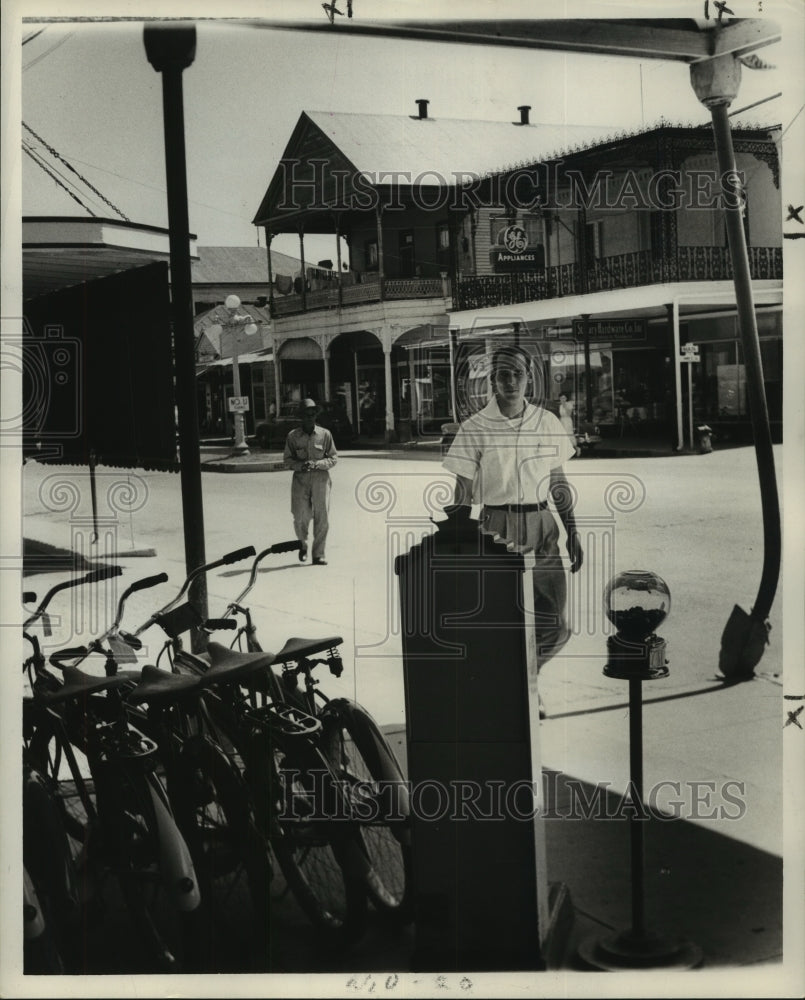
column 238, row 404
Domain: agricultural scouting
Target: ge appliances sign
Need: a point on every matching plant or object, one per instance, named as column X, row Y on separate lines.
column 514, row 252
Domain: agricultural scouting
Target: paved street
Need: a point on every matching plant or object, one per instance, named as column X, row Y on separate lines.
column 693, row 519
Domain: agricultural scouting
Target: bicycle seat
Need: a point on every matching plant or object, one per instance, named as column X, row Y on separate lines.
column 159, row 685
column 232, row 665
column 298, row 649
column 78, row 683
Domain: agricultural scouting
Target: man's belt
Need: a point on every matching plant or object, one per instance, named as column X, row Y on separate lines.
column 517, row 508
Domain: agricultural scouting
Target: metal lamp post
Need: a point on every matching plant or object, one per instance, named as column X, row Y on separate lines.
column 236, row 321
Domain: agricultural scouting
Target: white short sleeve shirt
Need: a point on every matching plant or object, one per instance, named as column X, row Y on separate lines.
column 509, row 459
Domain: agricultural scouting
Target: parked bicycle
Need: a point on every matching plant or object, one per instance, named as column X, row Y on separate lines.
column 321, row 860
column 364, row 762
column 80, row 737
column 208, row 794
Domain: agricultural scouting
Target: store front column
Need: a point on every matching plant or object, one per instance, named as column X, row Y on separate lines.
column 276, row 343
column 389, row 435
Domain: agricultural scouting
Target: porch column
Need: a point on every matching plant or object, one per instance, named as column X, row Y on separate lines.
column 380, row 266
column 672, row 309
column 588, row 387
column 269, row 238
column 337, row 227
column 387, row 374
column 324, row 340
column 275, row 350
column 453, row 341
column 302, row 260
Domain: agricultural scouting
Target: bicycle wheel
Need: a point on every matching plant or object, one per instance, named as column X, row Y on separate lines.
column 51, row 894
column 230, row 856
column 320, row 862
column 365, row 762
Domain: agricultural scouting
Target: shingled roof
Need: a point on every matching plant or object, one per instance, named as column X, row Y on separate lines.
column 382, row 143
column 432, row 151
column 239, row 265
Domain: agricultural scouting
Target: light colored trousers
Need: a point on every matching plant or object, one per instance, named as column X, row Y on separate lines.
column 310, row 500
column 538, row 532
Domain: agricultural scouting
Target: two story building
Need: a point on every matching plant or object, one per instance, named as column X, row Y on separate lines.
column 607, row 254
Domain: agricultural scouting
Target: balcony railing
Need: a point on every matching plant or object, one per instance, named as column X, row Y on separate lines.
column 627, row 270
column 367, row 291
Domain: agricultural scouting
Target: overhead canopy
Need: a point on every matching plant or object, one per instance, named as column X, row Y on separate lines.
column 683, row 39
column 62, row 251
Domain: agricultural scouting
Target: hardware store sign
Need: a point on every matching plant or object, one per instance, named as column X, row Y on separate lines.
column 611, row 329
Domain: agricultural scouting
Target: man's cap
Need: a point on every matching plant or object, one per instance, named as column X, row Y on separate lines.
column 308, row 404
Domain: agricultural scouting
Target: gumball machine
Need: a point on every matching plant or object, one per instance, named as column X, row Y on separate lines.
column 637, row 602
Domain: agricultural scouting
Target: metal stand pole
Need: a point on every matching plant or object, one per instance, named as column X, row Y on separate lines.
column 638, row 947
column 170, row 51
column 635, row 819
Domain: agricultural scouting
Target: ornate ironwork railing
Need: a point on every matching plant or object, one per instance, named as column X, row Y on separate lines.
column 367, row 291
column 626, row 270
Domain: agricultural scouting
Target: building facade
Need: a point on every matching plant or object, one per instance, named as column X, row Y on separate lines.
column 607, row 254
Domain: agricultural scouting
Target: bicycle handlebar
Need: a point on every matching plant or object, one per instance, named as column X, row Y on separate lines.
column 94, row 576
column 226, row 560
column 275, row 549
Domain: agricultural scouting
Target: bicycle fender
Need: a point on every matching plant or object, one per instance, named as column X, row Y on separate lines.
column 34, row 926
column 176, row 865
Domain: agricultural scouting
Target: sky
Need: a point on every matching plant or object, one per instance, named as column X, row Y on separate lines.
column 89, row 93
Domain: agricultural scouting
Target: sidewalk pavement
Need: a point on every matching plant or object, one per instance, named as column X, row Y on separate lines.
column 217, row 454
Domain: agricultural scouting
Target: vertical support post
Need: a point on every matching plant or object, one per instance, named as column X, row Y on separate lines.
column 275, row 350
column 635, row 819
column 170, row 50
column 269, row 238
column 302, row 262
column 326, row 356
column 381, row 271
column 673, row 321
column 588, row 382
column 338, row 260
column 452, row 340
column 716, row 82
column 357, row 394
column 389, row 433
column 689, row 366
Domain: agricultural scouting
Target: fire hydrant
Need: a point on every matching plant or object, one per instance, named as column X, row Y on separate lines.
column 705, row 439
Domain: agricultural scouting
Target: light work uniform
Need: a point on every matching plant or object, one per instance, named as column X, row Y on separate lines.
column 310, row 491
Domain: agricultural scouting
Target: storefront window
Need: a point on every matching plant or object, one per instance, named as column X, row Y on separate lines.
column 568, row 377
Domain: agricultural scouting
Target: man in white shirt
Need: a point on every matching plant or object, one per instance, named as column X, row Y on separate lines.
column 310, row 453
column 508, row 457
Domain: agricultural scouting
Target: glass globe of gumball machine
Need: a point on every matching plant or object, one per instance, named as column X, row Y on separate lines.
column 636, row 602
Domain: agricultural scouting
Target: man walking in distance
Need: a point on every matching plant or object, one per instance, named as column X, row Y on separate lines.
column 310, row 453
column 508, row 457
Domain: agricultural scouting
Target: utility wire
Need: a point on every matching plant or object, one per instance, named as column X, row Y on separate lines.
column 30, row 38
column 47, row 170
column 47, row 52
column 69, row 166
column 55, row 172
